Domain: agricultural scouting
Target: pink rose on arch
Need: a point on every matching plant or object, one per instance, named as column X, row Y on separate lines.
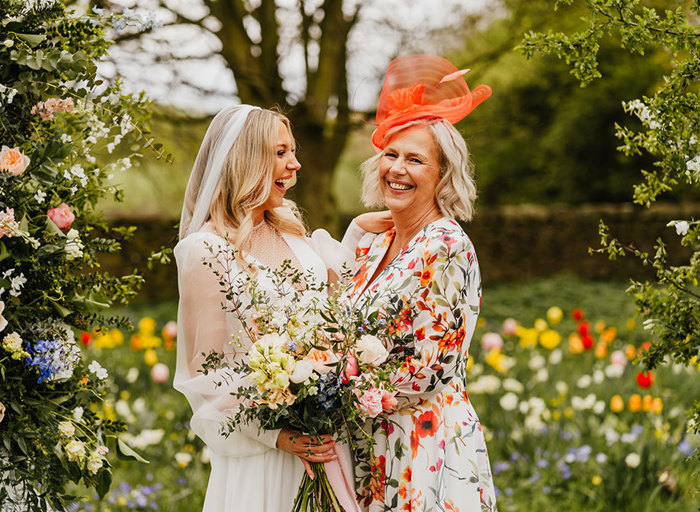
column 370, row 401
column 389, row 400
column 13, row 161
column 491, row 341
column 61, row 216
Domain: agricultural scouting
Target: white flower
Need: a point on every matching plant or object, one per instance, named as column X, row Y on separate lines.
column 98, row 370
column 371, row 351
column 2, row 411
column 132, row 375
column 74, row 246
column 509, row 401
column 513, row 385
column 302, row 371
column 94, row 463
column 146, row 438
column 601, row 458
column 205, row 456
column 312, row 391
column 561, row 387
column 39, row 196
column 139, row 405
column 485, row 384
column 682, row 228
column 555, row 356
column 633, row 460
column 599, row 407
column 122, row 409
column 12, row 343
column 598, row 376
column 75, row 450
column 102, row 450
column 611, row 436
column 183, row 459
column 78, row 413
column 16, row 285
column 66, row 429
column 542, row 375
column 584, row 381
column 536, row 362
column 614, row 371
column 3, row 320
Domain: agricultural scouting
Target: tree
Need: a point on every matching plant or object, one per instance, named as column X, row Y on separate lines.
column 670, row 127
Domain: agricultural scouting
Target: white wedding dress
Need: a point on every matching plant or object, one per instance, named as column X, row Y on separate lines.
column 248, row 473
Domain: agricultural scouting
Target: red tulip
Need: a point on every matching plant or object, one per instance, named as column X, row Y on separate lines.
column 645, row 379
column 587, row 341
column 577, row 314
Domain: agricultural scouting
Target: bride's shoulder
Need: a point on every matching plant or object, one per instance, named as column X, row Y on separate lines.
column 201, row 244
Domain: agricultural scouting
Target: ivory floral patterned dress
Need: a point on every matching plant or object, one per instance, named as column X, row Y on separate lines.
column 430, row 455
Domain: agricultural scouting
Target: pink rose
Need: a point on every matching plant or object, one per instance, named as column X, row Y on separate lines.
column 350, row 368
column 491, row 341
column 61, row 216
column 389, row 400
column 510, row 327
column 160, row 372
column 13, row 161
column 321, row 359
column 371, row 402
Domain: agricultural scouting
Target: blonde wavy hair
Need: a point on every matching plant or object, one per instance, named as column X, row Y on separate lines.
column 456, row 191
column 246, row 181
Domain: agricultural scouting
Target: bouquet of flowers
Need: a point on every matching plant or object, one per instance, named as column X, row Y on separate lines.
column 315, row 365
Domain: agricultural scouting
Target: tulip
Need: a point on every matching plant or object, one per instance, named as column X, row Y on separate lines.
column 634, row 404
column 617, row 404
column 645, row 379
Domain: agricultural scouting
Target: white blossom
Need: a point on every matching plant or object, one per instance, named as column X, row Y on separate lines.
column 633, row 460
column 98, row 370
column 39, row 196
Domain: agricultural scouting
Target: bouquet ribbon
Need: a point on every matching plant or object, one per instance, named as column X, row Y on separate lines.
column 341, row 480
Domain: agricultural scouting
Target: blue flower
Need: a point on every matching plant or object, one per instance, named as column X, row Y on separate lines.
column 292, row 346
column 542, row 463
column 54, row 359
column 583, row 453
column 686, row 448
column 500, row 467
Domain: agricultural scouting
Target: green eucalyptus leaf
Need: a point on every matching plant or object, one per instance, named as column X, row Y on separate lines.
column 124, row 451
column 32, row 39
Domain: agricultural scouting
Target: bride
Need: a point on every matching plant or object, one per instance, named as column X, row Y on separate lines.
column 235, row 196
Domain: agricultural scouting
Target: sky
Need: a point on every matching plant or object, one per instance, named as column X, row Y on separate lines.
column 175, row 53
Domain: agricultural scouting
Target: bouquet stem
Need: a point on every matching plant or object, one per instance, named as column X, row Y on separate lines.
column 316, row 495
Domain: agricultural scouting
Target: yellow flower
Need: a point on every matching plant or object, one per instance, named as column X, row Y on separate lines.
column 124, row 395
column 147, row 325
column 630, row 324
column 174, row 436
column 540, row 324
column 470, row 363
column 117, row 337
column 630, row 352
column 480, row 322
column 555, row 315
column 634, row 404
column 596, row 480
column 601, row 350
column 657, row 405
column 617, row 404
column 150, row 357
column 599, row 326
column 498, row 361
column 647, row 402
column 556, row 415
column 550, row 339
column 528, row 338
column 569, row 412
column 575, row 343
column 121, row 500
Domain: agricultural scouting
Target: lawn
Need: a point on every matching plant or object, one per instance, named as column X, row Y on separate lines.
column 568, row 428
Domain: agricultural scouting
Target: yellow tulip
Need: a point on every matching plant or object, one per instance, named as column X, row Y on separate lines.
column 569, row 412
column 630, row 352
column 540, row 324
column 147, row 325
column 599, row 326
column 150, row 357
column 617, row 404
column 528, row 338
column 634, row 404
column 550, row 339
column 647, row 402
column 575, row 343
column 555, row 315
column 630, row 324
column 601, row 350
column 657, row 405
column 596, row 480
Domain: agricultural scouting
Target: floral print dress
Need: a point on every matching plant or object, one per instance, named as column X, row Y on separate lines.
column 430, row 454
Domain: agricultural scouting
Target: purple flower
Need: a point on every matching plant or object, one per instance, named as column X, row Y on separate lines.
column 583, row 453
column 686, row 448
column 500, row 467
column 509, row 491
column 542, row 463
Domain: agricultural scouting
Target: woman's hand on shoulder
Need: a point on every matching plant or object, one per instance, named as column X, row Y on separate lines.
column 307, row 448
column 375, row 222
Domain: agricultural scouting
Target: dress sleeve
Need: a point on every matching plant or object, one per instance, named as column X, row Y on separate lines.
column 336, row 256
column 203, row 326
column 445, row 310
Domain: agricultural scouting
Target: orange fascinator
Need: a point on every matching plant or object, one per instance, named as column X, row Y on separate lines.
column 424, row 87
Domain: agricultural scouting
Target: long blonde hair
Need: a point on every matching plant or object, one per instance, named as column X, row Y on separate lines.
column 245, row 182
